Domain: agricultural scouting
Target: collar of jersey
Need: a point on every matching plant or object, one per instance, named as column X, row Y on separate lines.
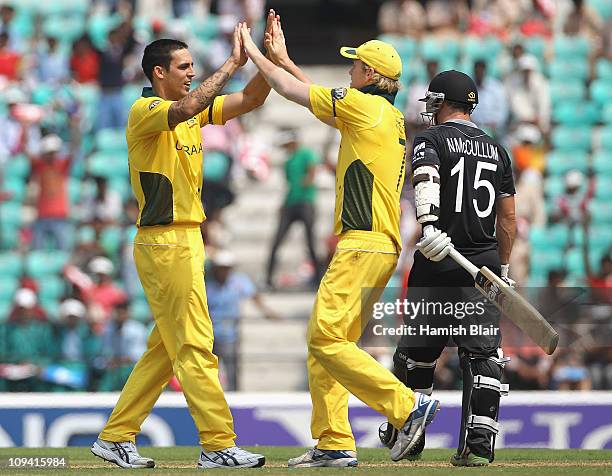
column 148, row 93
column 376, row 91
column 464, row 122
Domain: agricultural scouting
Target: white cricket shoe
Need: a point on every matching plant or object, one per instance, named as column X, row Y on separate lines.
column 422, row 414
column 316, row 458
column 124, row 454
column 233, row 457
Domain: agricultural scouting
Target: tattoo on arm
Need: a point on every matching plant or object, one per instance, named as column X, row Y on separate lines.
column 198, row 99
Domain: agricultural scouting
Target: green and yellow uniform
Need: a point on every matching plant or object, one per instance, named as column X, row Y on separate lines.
column 369, row 179
column 166, row 176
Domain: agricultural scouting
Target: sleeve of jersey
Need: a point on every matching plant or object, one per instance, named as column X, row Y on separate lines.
column 149, row 117
column 506, row 188
column 213, row 114
column 341, row 103
column 426, row 180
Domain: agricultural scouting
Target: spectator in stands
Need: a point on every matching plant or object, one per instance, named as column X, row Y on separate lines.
column 221, row 145
column 539, row 20
column 84, row 61
column 606, row 40
column 491, row 114
column 572, row 205
column 530, row 211
column 182, row 8
column 446, row 17
column 414, row 107
column 76, row 343
column 600, row 282
column 397, row 17
column 7, row 15
column 100, row 293
column 300, row 199
column 124, row 342
column 10, row 59
column 529, row 94
column 499, row 17
column 251, row 11
column 112, row 110
column 50, row 173
column 527, row 149
column 75, row 337
column 16, row 134
column 570, row 373
column 26, row 304
column 52, row 63
column 226, row 290
column 583, row 20
column 105, row 205
column 528, row 369
column 28, row 340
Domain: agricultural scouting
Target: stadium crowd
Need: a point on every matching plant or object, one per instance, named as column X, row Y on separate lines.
column 73, row 315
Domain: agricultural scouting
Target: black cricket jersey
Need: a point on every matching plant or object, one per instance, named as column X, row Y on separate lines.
column 474, row 171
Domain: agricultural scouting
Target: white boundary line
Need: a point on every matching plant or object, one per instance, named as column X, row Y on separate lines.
column 290, row 399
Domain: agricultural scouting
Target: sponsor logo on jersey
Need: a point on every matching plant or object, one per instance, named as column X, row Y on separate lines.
column 153, row 104
column 189, row 149
column 419, row 152
column 192, row 122
column 484, row 150
column 338, row 93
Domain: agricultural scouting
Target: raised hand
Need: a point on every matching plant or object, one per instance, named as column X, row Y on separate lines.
column 238, row 53
column 274, row 41
column 247, row 42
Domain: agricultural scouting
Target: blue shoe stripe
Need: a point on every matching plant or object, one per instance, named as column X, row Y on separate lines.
column 336, row 454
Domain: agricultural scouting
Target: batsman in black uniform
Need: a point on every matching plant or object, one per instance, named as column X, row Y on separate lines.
column 464, row 193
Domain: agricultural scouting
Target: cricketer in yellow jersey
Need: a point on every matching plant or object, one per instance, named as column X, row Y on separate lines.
column 369, row 179
column 165, row 162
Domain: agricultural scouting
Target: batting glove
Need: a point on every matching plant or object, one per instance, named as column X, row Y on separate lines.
column 504, row 275
column 434, row 244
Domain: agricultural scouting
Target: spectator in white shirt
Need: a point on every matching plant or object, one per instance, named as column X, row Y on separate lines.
column 491, row 113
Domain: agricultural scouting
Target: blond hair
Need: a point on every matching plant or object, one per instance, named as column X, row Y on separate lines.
column 388, row 85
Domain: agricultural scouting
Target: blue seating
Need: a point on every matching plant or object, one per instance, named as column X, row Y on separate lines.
column 602, row 163
column 559, row 162
column 111, row 140
column 17, row 167
column 603, row 69
column 568, row 69
column 571, row 137
column 567, row 90
column 11, row 263
column 601, row 91
column 8, row 286
column 40, row 263
column 576, row 113
column 108, row 164
column 571, row 47
column 51, row 288
column 605, row 137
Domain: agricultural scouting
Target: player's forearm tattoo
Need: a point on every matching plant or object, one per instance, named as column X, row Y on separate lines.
column 198, row 99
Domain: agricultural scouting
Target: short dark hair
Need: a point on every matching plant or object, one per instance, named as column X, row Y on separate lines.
column 465, row 108
column 159, row 53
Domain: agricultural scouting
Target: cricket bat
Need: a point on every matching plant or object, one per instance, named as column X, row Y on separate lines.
column 511, row 304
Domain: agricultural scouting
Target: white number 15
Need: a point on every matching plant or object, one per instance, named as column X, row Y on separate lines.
column 459, row 168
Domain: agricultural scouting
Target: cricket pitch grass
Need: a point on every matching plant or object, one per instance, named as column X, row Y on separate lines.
column 182, row 460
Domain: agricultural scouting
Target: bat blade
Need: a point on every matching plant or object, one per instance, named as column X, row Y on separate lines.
column 517, row 309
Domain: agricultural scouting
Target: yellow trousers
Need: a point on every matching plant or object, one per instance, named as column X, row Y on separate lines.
column 170, row 263
column 360, row 269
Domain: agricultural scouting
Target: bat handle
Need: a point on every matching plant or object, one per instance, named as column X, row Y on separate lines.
column 463, row 262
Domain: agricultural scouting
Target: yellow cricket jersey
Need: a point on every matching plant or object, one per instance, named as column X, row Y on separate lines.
column 371, row 159
column 166, row 165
